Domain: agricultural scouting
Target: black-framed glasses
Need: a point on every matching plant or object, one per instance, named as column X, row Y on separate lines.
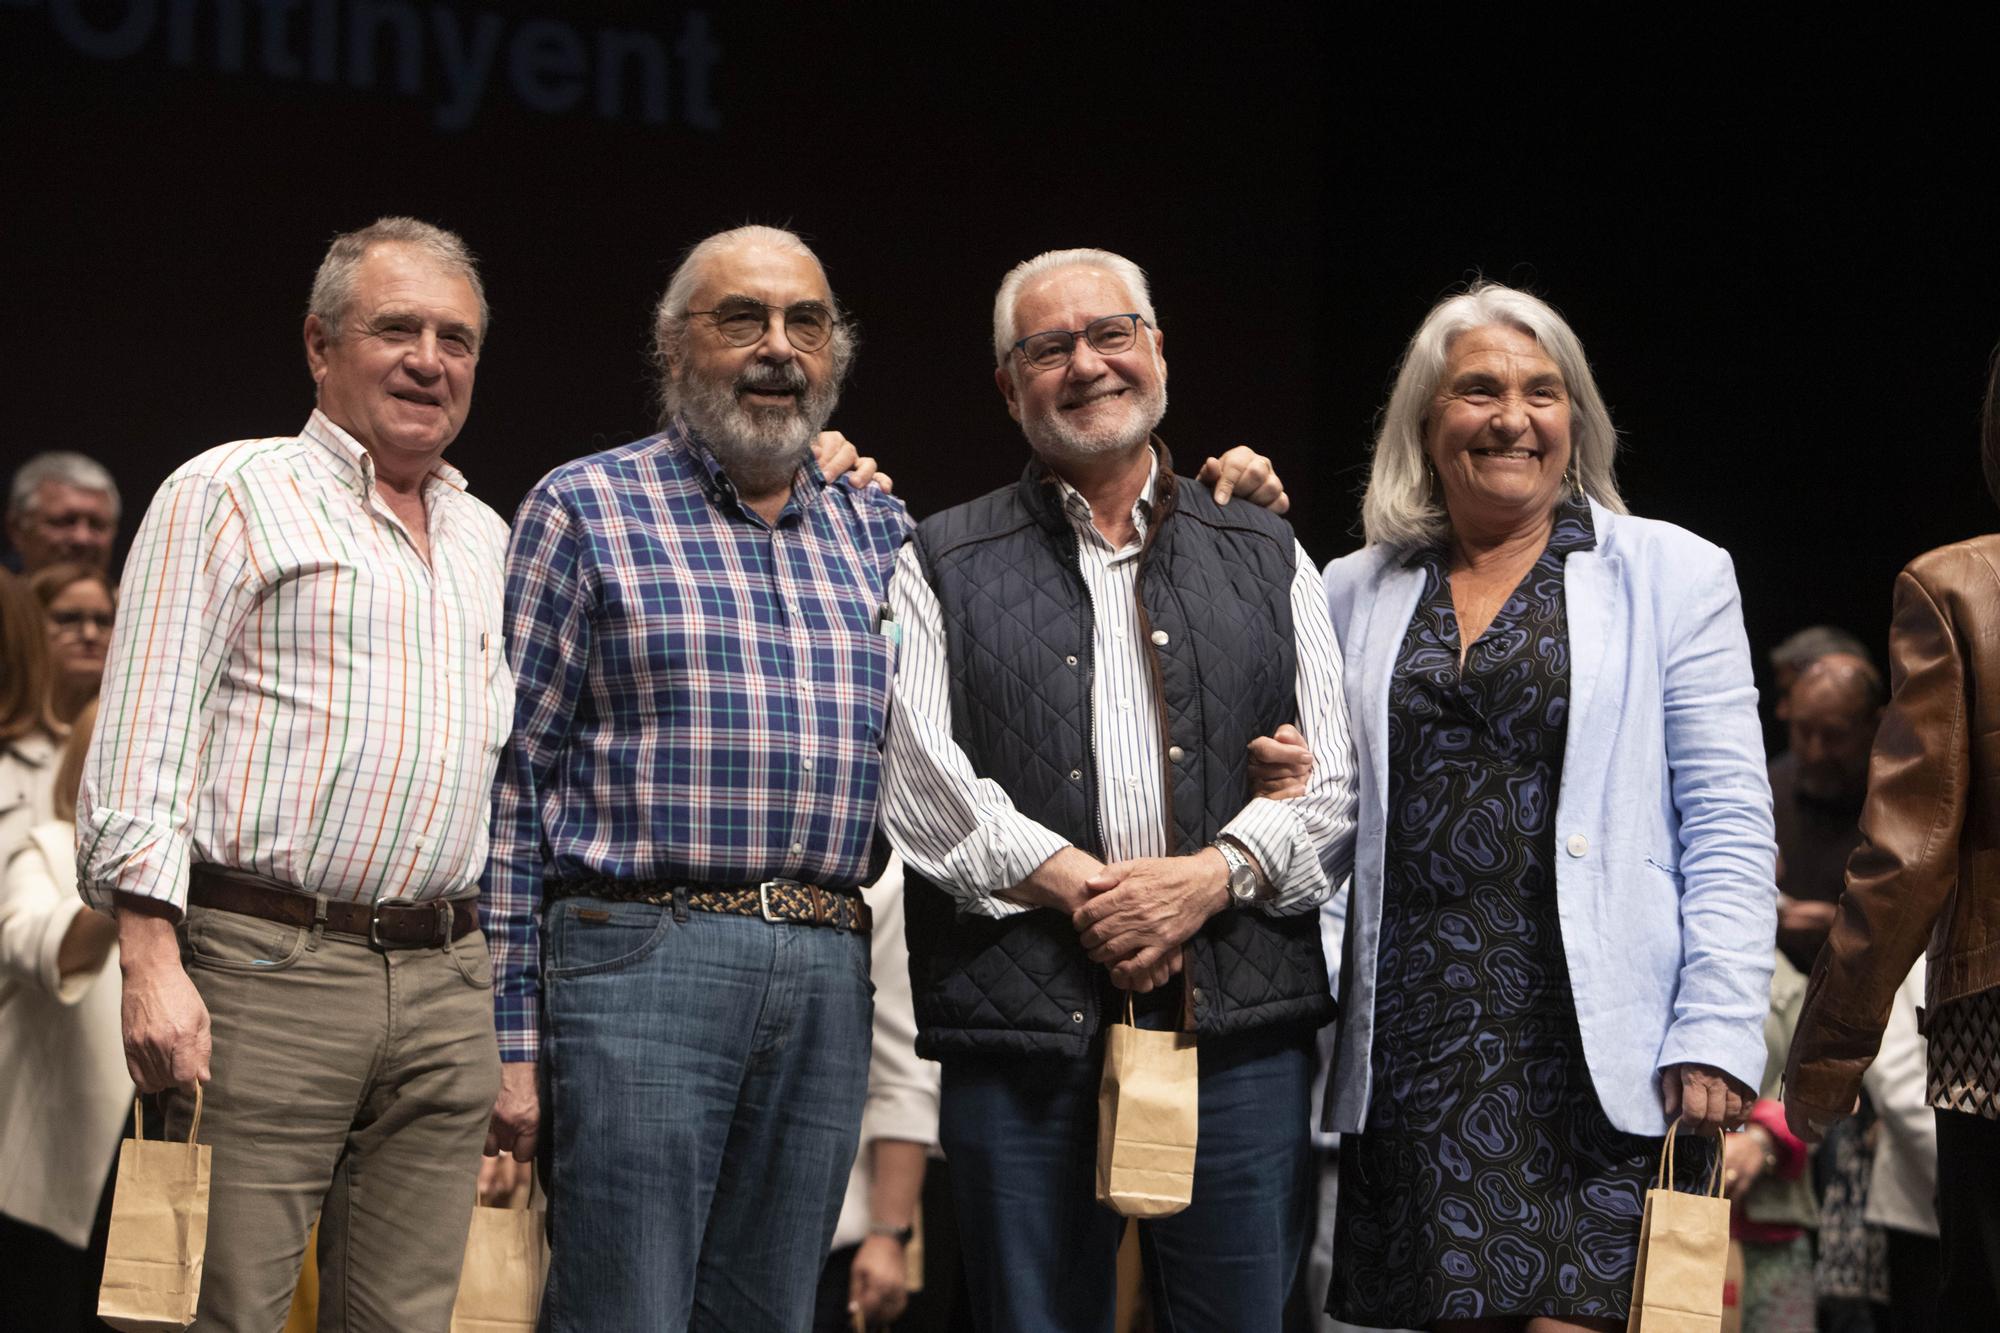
column 1107, row 335
column 72, row 622
column 809, row 325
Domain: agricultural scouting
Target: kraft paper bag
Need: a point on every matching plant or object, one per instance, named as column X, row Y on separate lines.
column 1683, row 1254
column 506, row 1262
column 1148, row 1114
column 159, row 1232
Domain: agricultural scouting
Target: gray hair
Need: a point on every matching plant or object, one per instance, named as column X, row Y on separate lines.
column 65, row 468
column 1401, row 508
column 1127, row 272
column 670, row 316
column 1802, row 648
column 333, row 285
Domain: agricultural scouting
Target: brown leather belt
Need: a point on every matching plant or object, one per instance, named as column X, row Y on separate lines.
column 386, row 923
column 775, row 900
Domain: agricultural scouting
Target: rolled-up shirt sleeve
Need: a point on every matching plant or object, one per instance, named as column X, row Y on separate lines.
column 958, row 829
column 190, row 579
column 1306, row 844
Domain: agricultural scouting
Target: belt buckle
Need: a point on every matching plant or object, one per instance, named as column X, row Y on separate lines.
column 440, row 907
column 764, row 899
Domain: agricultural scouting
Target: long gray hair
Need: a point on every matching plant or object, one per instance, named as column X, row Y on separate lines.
column 1402, row 508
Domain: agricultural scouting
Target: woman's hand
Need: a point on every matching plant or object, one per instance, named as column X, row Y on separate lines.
column 1704, row 1099
column 1743, row 1158
column 1280, row 763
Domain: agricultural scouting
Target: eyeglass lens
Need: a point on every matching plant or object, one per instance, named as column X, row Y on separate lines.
column 1107, row 336
column 75, row 620
column 808, row 325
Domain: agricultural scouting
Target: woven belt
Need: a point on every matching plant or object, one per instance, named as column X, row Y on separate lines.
column 775, row 900
column 386, row 923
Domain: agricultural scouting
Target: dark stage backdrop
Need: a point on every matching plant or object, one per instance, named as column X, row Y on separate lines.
column 1782, row 271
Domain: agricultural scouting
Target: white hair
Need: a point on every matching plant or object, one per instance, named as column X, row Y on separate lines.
column 670, row 316
column 64, row 468
column 1402, row 507
column 333, row 286
column 1130, row 274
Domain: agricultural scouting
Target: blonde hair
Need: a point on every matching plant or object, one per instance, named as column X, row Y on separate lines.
column 26, row 702
column 1401, row 508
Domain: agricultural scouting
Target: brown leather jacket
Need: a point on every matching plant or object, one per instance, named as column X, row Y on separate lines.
column 1928, row 867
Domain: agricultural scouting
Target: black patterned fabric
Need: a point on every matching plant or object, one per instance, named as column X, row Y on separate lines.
column 1216, row 584
column 1488, row 1182
column 1964, row 1063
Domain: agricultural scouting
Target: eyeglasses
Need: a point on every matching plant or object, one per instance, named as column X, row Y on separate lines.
column 72, row 622
column 1107, row 336
column 809, row 325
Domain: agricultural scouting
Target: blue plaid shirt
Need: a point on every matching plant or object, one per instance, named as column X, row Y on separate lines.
column 700, row 696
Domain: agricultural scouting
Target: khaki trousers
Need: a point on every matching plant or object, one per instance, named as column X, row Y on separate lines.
column 349, row 1084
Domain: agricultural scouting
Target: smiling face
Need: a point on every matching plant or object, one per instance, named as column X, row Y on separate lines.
column 1097, row 405
column 758, row 406
column 1498, row 430
column 397, row 374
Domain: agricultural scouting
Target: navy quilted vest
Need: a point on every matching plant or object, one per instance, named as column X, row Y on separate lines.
column 1017, row 622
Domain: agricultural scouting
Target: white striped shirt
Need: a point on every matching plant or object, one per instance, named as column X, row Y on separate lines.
column 292, row 690
column 962, row 830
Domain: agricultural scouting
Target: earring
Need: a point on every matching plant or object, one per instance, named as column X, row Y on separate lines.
column 1575, row 483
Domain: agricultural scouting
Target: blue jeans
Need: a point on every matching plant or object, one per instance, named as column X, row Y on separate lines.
column 1041, row 1252
column 702, row 1084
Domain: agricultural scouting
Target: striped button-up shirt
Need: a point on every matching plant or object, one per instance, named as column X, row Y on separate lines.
column 292, row 689
column 963, row 831
column 700, row 695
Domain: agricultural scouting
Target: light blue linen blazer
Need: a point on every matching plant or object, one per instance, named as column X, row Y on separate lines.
column 1666, row 881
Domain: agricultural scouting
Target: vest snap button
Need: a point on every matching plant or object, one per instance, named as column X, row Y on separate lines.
column 1076, row 1015
column 1071, row 659
column 1076, row 775
column 1176, row 753
column 1160, row 637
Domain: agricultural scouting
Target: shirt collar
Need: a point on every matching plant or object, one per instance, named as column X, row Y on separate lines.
column 715, row 481
column 355, row 463
column 1077, row 509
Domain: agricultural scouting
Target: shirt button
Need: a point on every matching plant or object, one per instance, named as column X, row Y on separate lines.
column 798, row 847
column 1176, row 753
column 1118, row 631
column 1578, row 844
column 806, row 764
column 1131, row 782
column 1124, row 703
column 1160, row 637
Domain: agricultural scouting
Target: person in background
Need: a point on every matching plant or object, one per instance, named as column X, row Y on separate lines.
column 65, row 1096
column 62, row 508
column 80, row 604
column 867, row 1275
column 1903, row 1166
column 1559, row 940
column 1800, row 650
column 1816, row 791
column 1764, row 1176
column 30, row 732
column 1926, row 881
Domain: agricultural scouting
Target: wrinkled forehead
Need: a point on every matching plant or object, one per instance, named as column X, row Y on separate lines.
column 1069, row 298
column 773, row 275
column 60, row 497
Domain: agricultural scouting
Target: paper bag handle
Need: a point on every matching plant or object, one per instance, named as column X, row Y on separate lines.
column 194, row 1128
column 1666, row 1179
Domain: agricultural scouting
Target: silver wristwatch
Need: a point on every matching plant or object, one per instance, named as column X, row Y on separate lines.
column 1246, row 886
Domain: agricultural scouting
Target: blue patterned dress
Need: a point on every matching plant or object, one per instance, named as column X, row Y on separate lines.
column 1487, row 1183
